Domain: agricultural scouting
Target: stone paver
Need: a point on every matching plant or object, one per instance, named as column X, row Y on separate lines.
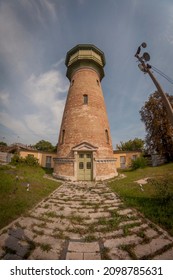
column 143, row 250
column 168, row 255
column 74, row 256
column 84, row 247
column 84, row 221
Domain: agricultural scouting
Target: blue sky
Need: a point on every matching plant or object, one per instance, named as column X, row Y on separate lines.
column 35, row 36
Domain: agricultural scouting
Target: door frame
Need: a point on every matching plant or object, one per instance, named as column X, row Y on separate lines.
column 84, row 147
column 85, row 161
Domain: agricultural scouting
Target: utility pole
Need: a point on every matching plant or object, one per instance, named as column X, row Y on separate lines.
column 145, row 67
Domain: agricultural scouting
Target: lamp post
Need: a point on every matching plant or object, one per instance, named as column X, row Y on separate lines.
column 145, row 67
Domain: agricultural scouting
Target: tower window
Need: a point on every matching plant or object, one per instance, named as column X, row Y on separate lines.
column 107, row 136
column 63, row 136
column 85, row 99
column 98, row 82
column 72, row 83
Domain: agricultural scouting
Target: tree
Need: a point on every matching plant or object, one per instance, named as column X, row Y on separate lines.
column 43, row 145
column 131, row 145
column 159, row 130
column 3, row 144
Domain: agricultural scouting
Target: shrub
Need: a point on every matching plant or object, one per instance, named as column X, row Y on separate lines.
column 29, row 160
column 16, row 159
column 139, row 162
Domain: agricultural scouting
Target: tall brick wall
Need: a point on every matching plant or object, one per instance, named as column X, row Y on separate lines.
column 84, row 124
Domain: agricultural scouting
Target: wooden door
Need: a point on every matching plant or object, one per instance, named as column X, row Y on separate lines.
column 85, row 166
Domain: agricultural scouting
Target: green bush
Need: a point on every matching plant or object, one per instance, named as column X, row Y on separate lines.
column 139, row 162
column 29, row 160
column 16, row 159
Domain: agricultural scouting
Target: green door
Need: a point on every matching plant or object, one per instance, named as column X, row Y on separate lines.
column 84, row 166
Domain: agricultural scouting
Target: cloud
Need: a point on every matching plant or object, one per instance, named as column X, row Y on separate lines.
column 17, row 44
column 39, row 10
column 46, row 93
column 23, row 29
column 33, row 91
column 41, row 116
column 4, row 98
column 17, row 126
column 43, row 89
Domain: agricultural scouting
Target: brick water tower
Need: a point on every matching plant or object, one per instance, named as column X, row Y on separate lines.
column 85, row 148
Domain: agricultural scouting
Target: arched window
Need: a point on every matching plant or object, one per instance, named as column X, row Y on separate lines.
column 85, row 99
column 63, row 136
column 107, row 136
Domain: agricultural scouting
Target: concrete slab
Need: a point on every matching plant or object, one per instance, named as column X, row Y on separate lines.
column 167, row 255
column 84, row 247
column 99, row 215
column 39, row 254
column 92, row 256
column 74, row 256
column 139, row 228
column 2, row 253
column 130, row 222
column 118, row 254
column 128, row 240
column 150, row 233
column 143, row 250
column 12, row 257
column 124, row 212
column 3, row 238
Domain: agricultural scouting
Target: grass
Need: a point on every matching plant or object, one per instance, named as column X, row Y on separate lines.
column 51, row 214
column 14, row 197
column 155, row 201
column 45, row 247
column 111, row 223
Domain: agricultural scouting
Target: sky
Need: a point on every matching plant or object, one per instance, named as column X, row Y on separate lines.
column 35, row 36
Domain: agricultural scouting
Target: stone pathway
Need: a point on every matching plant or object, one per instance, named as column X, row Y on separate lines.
column 84, row 221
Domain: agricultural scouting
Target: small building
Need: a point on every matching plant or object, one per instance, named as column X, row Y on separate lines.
column 124, row 158
column 45, row 159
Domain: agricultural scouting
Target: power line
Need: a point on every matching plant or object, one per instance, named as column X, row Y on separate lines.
column 162, row 74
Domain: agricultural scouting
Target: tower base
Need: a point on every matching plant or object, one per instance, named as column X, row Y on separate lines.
column 71, row 169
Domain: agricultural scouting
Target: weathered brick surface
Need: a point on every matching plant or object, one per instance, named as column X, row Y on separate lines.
column 64, row 169
column 105, row 170
column 85, row 122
